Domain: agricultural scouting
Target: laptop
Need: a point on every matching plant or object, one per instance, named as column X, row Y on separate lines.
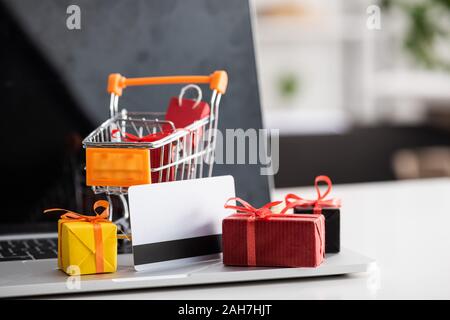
column 53, row 85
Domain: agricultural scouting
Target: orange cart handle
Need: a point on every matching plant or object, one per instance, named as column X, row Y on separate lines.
column 218, row 80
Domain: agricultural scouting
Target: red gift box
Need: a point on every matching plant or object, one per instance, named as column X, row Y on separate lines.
column 258, row 237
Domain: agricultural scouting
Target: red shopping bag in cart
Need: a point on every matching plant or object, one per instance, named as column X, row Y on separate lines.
column 183, row 112
column 158, row 157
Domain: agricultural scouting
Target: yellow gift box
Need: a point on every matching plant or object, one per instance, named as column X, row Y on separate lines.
column 87, row 244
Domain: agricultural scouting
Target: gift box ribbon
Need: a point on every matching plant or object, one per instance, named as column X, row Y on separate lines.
column 252, row 214
column 293, row 200
column 152, row 137
column 70, row 216
column 148, row 138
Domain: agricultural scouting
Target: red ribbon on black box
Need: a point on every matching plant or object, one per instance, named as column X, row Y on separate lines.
column 329, row 208
column 293, row 200
column 259, row 237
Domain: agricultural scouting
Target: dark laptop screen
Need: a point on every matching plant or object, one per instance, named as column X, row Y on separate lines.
column 53, row 83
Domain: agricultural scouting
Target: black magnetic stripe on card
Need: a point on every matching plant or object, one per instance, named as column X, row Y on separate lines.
column 177, row 249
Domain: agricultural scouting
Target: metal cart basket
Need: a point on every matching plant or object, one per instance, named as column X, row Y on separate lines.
column 119, row 153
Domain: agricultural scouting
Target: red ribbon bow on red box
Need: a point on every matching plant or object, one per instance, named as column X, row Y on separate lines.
column 293, row 200
column 263, row 212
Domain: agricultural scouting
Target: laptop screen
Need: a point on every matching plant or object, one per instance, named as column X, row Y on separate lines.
column 53, row 88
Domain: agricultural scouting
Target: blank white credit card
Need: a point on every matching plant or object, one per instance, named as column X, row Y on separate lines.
column 178, row 221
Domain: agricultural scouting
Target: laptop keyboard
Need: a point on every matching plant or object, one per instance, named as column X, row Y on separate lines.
column 34, row 249
column 29, row 249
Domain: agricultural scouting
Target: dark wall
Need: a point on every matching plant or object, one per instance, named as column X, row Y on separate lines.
column 360, row 155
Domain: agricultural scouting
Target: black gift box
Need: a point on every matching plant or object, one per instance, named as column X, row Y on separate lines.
column 332, row 227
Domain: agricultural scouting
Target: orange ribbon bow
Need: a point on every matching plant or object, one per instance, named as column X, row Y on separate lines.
column 293, row 200
column 71, row 216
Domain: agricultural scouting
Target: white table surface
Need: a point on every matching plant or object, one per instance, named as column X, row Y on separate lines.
column 404, row 225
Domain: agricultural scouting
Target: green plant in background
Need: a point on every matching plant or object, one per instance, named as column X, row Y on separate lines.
column 424, row 29
column 288, row 85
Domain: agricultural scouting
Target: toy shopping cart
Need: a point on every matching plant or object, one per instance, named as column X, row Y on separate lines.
column 134, row 148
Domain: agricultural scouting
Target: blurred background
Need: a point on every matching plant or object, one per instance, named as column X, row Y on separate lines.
column 354, row 99
column 360, row 90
